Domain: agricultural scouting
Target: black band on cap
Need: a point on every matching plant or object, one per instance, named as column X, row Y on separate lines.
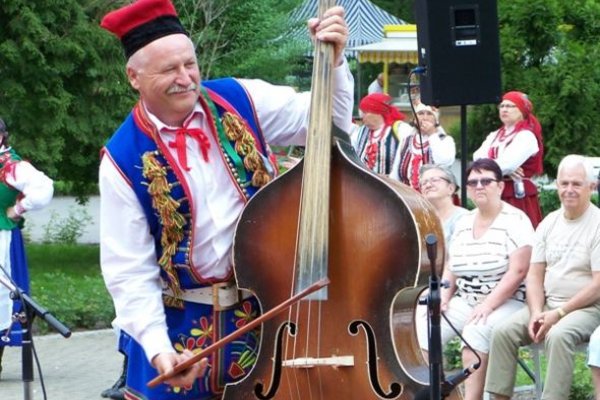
column 141, row 35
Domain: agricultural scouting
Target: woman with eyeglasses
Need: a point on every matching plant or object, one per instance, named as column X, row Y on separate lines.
column 518, row 148
column 488, row 258
column 438, row 185
column 431, row 146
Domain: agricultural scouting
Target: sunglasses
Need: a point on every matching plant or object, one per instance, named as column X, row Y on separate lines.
column 483, row 181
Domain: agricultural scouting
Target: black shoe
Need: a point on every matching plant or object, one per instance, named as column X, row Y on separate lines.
column 117, row 391
column 114, row 393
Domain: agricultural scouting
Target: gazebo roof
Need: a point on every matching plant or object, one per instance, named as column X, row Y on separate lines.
column 365, row 21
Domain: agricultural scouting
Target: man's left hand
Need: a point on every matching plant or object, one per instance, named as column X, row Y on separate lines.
column 331, row 28
column 546, row 320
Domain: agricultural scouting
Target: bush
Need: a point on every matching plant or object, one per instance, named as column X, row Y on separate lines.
column 548, row 201
column 66, row 230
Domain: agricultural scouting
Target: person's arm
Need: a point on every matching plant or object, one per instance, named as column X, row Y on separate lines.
column 518, row 264
column 587, row 296
column 283, row 113
column 482, row 151
column 128, row 263
column 523, row 146
column 35, row 187
column 534, row 284
column 447, row 292
column 536, row 297
column 443, row 149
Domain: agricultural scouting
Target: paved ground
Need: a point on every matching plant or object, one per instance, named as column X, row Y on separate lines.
column 80, row 367
column 77, row 368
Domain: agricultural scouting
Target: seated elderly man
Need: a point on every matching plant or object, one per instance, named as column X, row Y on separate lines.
column 563, row 288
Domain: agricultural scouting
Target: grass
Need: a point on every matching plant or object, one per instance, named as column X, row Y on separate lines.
column 66, row 280
column 581, row 388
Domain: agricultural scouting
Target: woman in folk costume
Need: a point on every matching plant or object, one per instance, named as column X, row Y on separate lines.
column 22, row 188
column 376, row 140
column 518, row 148
column 427, row 143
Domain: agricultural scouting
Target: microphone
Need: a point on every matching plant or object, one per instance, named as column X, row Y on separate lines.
column 431, row 244
column 17, row 293
column 449, row 384
column 454, row 380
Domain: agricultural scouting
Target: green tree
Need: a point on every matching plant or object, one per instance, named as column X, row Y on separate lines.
column 241, row 38
column 62, row 85
column 403, row 9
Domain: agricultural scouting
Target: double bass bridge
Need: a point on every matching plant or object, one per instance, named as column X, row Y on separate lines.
column 311, row 362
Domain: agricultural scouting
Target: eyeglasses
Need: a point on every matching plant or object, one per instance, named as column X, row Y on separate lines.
column 432, row 180
column 506, row 105
column 483, row 181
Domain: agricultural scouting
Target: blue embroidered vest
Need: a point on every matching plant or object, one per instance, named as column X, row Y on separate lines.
column 159, row 184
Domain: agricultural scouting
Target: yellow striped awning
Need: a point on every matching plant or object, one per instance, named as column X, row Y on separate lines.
column 398, row 46
column 398, row 57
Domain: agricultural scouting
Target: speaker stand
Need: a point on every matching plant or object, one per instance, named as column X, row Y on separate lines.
column 463, row 155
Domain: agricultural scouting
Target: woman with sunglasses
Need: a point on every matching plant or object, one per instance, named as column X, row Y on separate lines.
column 488, row 258
column 518, row 148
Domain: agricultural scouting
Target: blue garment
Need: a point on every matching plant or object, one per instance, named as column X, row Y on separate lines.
column 20, row 275
column 190, row 326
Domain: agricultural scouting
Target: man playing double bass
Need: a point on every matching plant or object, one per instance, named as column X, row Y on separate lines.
column 174, row 178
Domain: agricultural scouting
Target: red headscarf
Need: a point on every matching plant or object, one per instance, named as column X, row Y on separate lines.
column 530, row 122
column 378, row 103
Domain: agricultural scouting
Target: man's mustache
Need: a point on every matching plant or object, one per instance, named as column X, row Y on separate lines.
column 182, row 89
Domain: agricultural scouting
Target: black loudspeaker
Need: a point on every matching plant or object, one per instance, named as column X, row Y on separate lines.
column 459, row 48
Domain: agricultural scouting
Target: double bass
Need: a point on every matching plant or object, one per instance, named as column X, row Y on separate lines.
column 329, row 217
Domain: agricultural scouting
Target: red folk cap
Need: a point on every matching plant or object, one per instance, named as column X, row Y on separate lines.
column 142, row 22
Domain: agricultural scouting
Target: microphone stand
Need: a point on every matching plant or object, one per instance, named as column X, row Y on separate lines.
column 434, row 313
column 25, row 317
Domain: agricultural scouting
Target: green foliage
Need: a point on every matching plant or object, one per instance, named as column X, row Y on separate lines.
column 581, row 387
column 242, row 38
column 66, row 280
column 403, row 9
column 62, row 85
column 67, row 188
column 79, row 302
column 66, row 230
column 452, row 355
column 549, row 201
